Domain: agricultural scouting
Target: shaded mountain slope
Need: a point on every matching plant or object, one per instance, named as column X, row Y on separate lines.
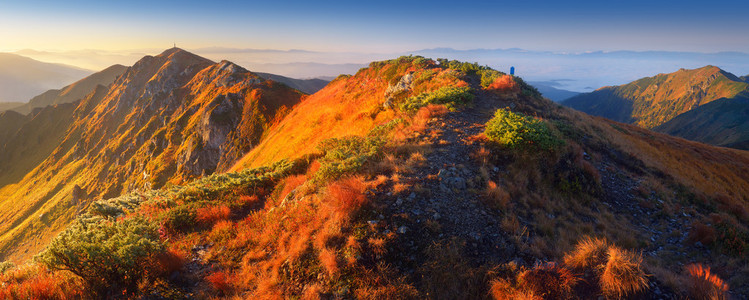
column 309, row 86
column 75, row 91
column 32, row 140
column 652, row 101
column 724, row 122
column 167, row 118
column 22, row 78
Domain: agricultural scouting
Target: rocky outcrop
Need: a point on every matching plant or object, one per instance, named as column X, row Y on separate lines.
column 394, row 91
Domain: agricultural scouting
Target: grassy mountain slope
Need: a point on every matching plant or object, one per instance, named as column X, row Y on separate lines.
column 167, row 118
column 724, row 122
column 652, row 101
column 22, row 78
column 75, row 91
column 413, row 179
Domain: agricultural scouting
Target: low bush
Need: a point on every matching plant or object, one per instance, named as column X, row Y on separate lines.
column 346, row 155
column 105, row 253
column 178, row 220
column 516, row 130
column 451, row 97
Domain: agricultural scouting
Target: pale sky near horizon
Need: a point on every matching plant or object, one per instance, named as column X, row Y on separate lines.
column 375, row 26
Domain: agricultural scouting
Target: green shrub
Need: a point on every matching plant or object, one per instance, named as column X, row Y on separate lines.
column 179, row 219
column 452, row 97
column 5, row 266
column 516, row 130
column 346, row 154
column 108, row 254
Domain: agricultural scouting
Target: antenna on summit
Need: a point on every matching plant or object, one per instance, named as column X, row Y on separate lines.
column 175, row 44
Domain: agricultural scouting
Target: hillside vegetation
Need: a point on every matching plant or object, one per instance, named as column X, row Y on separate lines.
column 415, row 178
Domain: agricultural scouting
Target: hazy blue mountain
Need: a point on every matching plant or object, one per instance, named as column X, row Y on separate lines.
column 22, row 78
column 549, row 90
column 309, row 86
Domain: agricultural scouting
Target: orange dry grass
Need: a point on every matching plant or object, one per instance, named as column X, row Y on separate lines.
column 497, row 196
column 34, row 282
column 312, row 292
column 347, row 196
column 329, row 261
column 291, row 183
column 220, row 282
column 703, row 285
column 504, row 83
column 588, row 253
column 503, row 290
column 707, row 169
column 424, row 115
column 212, row 214
column 169, row 262
column 623, row 274
column 548, row 281
column 346, row 106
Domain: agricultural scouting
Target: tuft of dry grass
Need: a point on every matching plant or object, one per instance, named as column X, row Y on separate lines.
column 377, row 246
column 220, row 282
column 347, row 195
column 588, row 253
column 549, row 281
column 496, row 195
column 702, row 233
column 623, row 274
column 503, row 290
column 703, row 285
column 329, row 261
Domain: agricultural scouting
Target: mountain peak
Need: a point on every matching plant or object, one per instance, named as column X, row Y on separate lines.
column 651, row 101
column 183, row 57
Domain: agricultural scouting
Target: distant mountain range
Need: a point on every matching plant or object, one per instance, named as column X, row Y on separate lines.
column 678, row 103
column 22, row 78
column 73, row 92
column 309, row 86
column 549, row 90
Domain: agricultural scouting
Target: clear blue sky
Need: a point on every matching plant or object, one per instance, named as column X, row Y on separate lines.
column 376, row 26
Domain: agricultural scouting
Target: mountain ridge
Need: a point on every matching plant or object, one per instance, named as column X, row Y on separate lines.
column 167, row 118
column 651, row 101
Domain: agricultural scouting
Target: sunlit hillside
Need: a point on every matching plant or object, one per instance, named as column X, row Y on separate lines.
column 413, row 178
column 169, row 117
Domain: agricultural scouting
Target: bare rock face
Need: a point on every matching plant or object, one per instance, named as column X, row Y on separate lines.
column 214, row 129
column 393, row 91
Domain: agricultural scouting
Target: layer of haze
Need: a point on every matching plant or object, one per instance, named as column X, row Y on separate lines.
column 340, row 36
